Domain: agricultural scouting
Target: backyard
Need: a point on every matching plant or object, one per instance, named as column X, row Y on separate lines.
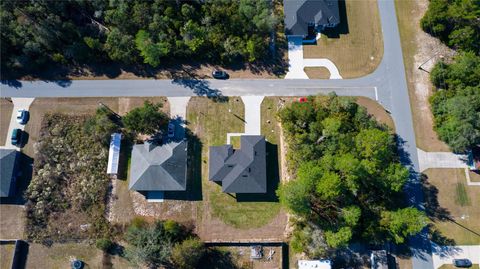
column 355, row 46
column 457, row 201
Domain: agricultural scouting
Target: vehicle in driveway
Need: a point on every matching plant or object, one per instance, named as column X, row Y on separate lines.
column 218, row 74
column 16, row 137
column 171, row 130
column 22, row 116
column 462, row 263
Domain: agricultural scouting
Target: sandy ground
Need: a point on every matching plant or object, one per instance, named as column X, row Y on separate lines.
column 420, row 50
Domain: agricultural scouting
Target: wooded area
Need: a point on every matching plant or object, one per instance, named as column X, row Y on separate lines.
column 349, row 180
column 456, row 102
column 81, row 34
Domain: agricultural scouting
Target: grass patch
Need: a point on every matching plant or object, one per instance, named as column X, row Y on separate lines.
column 6, row 255
column 317, row 72
column 463, row 227
column 235, row 141
column 211, row 121
column 377, row 111
column 461, row 196
column 356, row 45
column 6, row 109
column 474, row 176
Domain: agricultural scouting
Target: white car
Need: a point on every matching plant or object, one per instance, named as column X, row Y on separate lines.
column 22, row 116
column 171, row 130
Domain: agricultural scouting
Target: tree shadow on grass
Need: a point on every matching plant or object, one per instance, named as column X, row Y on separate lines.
column 217, row 259
column 432, row 207
column 273, row 179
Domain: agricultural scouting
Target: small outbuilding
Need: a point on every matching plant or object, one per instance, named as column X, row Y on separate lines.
column 114, row 153
column 8, row 172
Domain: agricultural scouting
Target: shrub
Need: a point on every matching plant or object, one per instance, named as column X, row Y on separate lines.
column 104, row 244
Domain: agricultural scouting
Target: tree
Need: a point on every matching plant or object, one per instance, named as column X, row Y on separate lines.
column 146, row 120
column 403, row 223
column 187, row 254
column 150, row 245
column 104, row 244
column 346, row 174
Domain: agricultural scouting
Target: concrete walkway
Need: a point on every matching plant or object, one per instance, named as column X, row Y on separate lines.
column 297, row 63
column 440, row 160
column 18, row 103
column 445, row 254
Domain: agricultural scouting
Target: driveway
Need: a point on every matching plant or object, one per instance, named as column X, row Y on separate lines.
column 297, row 63
column 440, row 160
column 445, row 254
column 178, row 113
column 18, row 103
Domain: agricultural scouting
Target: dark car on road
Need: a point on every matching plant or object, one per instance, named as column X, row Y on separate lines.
column 16, row 137
column 462, row 263
column 218, row 74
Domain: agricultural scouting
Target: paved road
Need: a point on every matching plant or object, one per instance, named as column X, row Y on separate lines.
column 387, row 84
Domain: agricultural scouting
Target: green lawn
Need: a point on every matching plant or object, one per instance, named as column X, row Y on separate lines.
column 356, row 45
column 211, row 121
column 460, row 202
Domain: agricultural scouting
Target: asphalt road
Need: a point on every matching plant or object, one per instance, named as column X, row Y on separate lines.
column 387, row 84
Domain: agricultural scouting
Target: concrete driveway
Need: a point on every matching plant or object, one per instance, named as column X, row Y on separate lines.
column 445, row 254
column 18, row 103
column 440, row 160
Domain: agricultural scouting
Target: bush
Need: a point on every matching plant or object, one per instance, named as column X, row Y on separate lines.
column 187, row 255
column 104, row 244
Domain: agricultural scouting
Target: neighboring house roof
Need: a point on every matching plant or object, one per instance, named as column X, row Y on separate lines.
column 7, row 171
column 378, row 259
column 243, row 170
column 159, row 167
column 314, row 264
column 299, row 13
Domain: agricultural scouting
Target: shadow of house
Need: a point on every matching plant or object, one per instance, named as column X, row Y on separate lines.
column 244, row 171
column 306, row 17
column 159, row 168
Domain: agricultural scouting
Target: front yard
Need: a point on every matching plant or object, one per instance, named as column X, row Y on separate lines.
column 356, row 45
column 457, row 201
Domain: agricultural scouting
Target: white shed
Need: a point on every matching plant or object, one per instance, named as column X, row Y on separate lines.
column 114, row 154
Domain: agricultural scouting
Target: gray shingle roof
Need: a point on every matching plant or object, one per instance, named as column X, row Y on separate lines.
column 243, row 170
column 298, row 13
column 159, row 168
column 7, row 171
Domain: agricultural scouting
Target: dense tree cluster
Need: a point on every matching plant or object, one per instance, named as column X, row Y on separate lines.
column 163, row 243
column 69, row 176
column 455, row 22
column 349, row 179
column 147, row 119
column 456, row 103
column 37, row 34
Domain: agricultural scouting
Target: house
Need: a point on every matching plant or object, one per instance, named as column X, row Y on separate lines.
column 305, row 17
column 240, row 170
column 8, row 172
column 314, row 264
column 157, row 167
column 473, row 158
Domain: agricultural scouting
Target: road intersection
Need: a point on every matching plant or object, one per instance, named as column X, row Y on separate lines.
column 387, row 84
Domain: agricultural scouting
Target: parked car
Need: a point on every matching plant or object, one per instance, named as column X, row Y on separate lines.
column 218, row 74
column 16, row 137
column 302, row 99
column 171, row 130
column 462, row 263
column 22, row 116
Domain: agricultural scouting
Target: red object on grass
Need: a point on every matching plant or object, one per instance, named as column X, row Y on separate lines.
column 302, row 99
